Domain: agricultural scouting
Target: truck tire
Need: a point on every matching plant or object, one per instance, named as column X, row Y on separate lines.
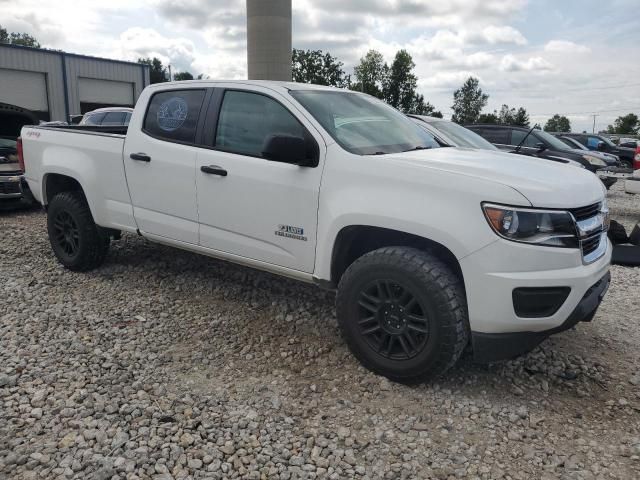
column 403, row 314
column 78, row 243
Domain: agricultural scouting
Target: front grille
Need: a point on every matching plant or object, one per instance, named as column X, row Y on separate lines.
column 591, row 229
column 9, row 188
column 583, row 213
column 590, row 244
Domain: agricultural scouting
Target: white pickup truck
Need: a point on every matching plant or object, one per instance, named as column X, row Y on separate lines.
column 427, row 247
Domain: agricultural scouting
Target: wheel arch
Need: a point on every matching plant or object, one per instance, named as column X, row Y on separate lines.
column 54, row 183
column 354, row 241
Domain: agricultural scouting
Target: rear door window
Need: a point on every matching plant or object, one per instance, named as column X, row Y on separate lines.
column 114, row 118
column 518, row 135
column 173, row 115
column 93, row 119
column 496, row 135
column 592, row 143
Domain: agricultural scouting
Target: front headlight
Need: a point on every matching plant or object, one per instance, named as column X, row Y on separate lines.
column 551, row 228
column 598, row 162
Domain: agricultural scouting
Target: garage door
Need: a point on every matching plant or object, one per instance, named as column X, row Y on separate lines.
column 24, row 89
column 105, row 92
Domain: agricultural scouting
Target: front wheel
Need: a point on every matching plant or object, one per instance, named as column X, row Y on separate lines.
column 78, row 243
column 403, row 313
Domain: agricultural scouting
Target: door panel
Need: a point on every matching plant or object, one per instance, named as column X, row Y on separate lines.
column 163, row 188
column 262, row 210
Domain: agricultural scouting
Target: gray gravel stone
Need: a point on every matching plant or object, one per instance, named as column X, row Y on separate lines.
column 163, row 364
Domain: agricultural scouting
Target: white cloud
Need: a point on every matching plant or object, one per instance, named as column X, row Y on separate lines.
column 503, row 34
column 565, row 46
column 506, row 43
column 510, row 63
column 145, row 42
column 447, row 79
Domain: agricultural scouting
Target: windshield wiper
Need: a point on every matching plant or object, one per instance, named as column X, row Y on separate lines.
column 525, row 137
column 417, row 147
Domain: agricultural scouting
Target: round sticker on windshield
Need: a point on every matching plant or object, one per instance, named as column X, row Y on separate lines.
column 172, row 114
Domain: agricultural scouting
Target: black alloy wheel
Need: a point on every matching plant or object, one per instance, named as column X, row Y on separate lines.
column 66, row 233
column 403, row 313
column 78, row 243
column 392, row 320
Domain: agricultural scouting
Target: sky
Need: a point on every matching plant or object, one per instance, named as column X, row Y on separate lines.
column 572, row 57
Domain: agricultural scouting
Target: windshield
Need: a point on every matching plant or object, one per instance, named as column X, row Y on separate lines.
column 554, row 142
column 573, row 143
column 463, row 137
column 362, row 124
column 607, row 141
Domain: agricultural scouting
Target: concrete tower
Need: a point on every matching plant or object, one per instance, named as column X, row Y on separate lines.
column 269, row 39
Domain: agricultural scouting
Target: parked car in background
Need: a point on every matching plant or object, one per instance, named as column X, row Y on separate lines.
column 601, row 143
column 451, row 134
column 610, row 159
column 538, row 143
column 427, row 247
column 13, row 186
column 110, row 116
column 629, row 143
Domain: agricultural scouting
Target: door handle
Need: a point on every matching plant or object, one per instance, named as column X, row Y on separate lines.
column 214, row 170
column 141, row 157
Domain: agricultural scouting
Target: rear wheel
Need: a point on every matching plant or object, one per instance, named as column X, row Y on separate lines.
column 78, row 243
column 403, row 313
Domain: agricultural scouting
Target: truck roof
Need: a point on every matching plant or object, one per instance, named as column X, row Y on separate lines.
column 273, row 84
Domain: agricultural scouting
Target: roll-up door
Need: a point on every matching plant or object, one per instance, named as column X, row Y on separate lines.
column 96, row 93
column 25, row 89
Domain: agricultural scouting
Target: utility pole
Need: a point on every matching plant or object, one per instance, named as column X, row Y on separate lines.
column 594, row 124
column 269, row 39
column 170, row 77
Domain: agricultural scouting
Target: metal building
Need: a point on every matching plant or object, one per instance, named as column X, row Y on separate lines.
column 269, row 39
column 55, row 85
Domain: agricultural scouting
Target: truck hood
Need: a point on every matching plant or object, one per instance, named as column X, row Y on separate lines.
column 543, row 182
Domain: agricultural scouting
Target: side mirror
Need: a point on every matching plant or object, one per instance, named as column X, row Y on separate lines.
column 600, row 146
column 75, row 119
column 290, row 149
column 541, row 147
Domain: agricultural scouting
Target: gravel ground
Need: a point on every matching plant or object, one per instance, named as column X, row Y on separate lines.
column 163, row 364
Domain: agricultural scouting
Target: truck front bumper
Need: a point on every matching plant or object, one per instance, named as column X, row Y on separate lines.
column 519, row 294
column 490, row 347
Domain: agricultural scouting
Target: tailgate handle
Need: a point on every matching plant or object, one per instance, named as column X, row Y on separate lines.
column 141, row 157
column 214, row 170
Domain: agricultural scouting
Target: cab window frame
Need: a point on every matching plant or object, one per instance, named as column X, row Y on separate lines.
column 212, row 123
column 197, row 141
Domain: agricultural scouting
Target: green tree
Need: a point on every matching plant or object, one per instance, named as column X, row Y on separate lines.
column 422, row 107
column 489, row 118
column 183, row 76
column 157, row 71
column 557, row 123
column 627, row 124
column 371, row 74
column 521, row 118
column 314, row 66
column 400, row 88
column 15, row 38
column 468, row 102
column 513, row 116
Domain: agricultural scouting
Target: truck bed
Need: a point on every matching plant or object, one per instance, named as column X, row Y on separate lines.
column 91, row 155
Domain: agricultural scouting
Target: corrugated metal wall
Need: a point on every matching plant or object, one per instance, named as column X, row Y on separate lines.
column 77, row 66
column 80, row 67
column 33, row 60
